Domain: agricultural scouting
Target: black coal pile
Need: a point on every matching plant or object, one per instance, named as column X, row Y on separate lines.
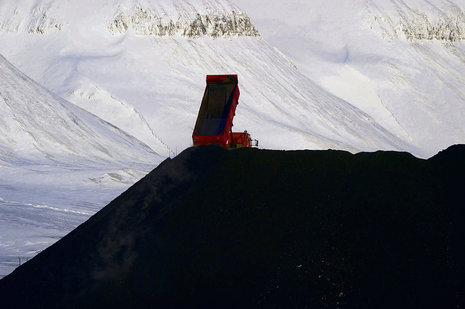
column 265, row 229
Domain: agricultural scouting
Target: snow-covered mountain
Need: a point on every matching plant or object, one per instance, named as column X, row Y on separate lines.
column 400, row 61
column 141, row 65
column 58, row 165
column 37, row 125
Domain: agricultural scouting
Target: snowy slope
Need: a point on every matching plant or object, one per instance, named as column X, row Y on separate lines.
column 35, row 124
column 58, row 165
column 401, row 62
column 141, row 65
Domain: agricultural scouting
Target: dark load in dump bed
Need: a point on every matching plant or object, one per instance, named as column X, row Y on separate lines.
column 215, row 118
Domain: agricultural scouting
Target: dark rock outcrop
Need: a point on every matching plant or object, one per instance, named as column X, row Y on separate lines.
column 265, row 229
column 147, row 22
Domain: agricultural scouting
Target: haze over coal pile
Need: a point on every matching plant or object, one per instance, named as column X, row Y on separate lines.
column 271, row 229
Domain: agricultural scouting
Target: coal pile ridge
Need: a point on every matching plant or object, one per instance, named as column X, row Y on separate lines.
column 254, row 228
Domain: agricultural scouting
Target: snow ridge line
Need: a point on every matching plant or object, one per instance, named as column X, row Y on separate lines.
column 86, row 213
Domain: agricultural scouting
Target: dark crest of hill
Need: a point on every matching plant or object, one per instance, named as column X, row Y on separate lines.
column 265, row 229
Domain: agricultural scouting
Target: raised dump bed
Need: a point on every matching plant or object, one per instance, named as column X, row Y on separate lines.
column 215, row 118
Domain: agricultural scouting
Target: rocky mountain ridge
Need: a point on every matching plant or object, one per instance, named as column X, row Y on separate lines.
column 443, row 21
column 146, row 21
column 143, row 18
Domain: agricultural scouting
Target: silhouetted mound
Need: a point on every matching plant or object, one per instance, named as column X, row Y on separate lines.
column 268, row 229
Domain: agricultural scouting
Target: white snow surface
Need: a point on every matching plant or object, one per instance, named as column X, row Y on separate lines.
column 352, row 75
column 161, row 76
column 59, row 164
column 400, row 61
column 37, row 125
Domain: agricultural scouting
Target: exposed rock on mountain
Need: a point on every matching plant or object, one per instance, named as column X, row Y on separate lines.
column 442, row 21
column 35, row 19
column 215, row 24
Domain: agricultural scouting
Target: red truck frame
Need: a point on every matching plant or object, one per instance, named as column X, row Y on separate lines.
column 215, row 119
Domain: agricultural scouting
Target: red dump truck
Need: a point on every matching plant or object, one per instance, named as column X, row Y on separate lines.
column 215, row 119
